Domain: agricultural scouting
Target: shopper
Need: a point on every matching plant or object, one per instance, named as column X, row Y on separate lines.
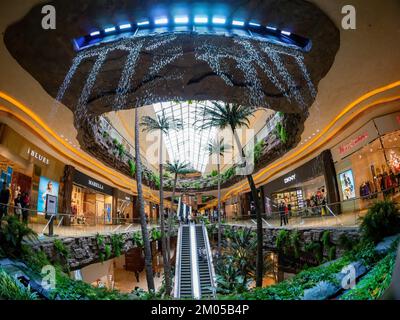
column 4, row 199
column 286, row 210
column 281, row 209
column 25, row 207
column 18, row 206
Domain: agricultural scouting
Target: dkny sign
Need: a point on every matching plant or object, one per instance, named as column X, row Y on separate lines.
column 86, row 181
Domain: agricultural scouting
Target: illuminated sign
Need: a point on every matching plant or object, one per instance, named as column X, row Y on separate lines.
column 95, row 184
column 350, row 145
column 36, row 155
column 290, row 178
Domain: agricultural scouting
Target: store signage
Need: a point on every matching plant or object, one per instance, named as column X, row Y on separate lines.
column 36, row 155
column 290, row 178
column 95, row 184
column 86, row 181
column 353, row 143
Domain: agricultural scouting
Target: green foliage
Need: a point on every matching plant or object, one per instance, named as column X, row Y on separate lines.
column 137, row 239
column 316, row 249
column 214, row 173
column 382, row 220
column 105, row 134
column 295, row 243
column 228, row 173
column 346, row 243
column 375, row 283
column 107, row 251
column 293, row 289
column 117, row 242
column 12, row 232
column 282, row 239
column 63, row 254
column 258, row 148
column 236, row 267
column 281, row 132
column 155, row 234
column 132, row 167
column 10, row 290
column 61, row 249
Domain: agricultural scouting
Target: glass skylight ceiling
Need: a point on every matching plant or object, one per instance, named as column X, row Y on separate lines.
column 187, row 145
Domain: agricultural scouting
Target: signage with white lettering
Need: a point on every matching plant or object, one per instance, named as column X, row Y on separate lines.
column 290, row 178
column 36, row 155
column 86, row 181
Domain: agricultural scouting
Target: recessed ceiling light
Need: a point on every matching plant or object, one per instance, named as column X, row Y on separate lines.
column 181, row 19
column 111, row 29
column 253, row 24
column 94, row 33
column 271, row 28
column 143, row 23
column 200, row 19
column 161, row 21
column 286, row 33
column 238, row 23
column 218, row 20
column 125, row 26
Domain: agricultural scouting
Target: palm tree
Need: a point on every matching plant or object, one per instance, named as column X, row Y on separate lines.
column 234, row 116
column 162, row 124
column 217, row 147
column 175, row 168
column 143, row 223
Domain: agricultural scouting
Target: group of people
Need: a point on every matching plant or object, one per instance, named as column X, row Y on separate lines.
column 21, row 202
column 285, row 210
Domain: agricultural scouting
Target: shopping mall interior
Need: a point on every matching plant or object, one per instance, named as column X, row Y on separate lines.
column 212, row 150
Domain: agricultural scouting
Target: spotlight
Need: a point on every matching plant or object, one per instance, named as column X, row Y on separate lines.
column 286, row 33
column 218, row 20
column 108, row 30
column 181, row 20
column 253, row 24
column 238, row 23
column 161, row 21
column 125, row 26
column 94, row 33
column 271, row 28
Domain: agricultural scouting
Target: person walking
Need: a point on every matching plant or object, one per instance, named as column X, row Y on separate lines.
column 282, row 213
column 286, row 209
column 25, row 207
column 4, row 199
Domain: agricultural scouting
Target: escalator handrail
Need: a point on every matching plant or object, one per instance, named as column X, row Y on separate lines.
column 177, row 279
column 209, row 260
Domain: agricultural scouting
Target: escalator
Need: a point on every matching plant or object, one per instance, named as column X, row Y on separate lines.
column 194, row 272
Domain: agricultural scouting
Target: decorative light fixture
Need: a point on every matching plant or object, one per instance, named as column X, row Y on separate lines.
column 160, row 21
column 254, row 24
column 181, row 20
column 238, row 23
column 201, row 19
column 94, row 33
column 143, row 23
column 286, row 33
column 125, row 26
column 108, row 30
column 218, row 20
column 271, row 28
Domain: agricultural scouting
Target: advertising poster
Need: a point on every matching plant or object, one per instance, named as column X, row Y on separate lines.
column 347, row 184
column 46, row 187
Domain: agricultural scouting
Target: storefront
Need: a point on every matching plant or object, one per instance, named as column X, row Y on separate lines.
column 232, row 208
column 368, row 162
column 125, row 208
column 28, row 169
column 309, row 185
column 91, row 201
